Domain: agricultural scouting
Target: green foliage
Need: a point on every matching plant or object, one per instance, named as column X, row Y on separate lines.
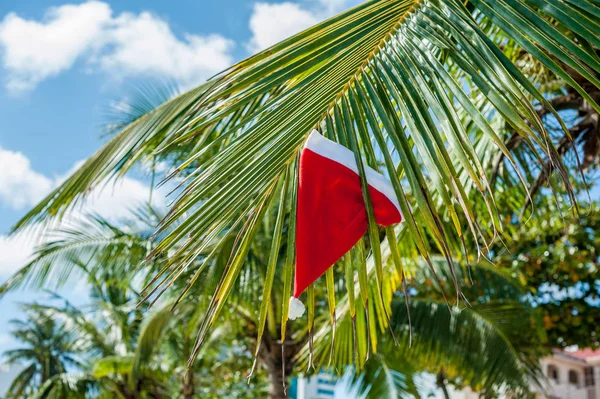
column 557, row 261
column 66, row 386
column 386, row 377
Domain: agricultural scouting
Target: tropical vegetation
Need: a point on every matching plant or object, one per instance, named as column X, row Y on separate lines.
column 123, row 356
column 558, row 263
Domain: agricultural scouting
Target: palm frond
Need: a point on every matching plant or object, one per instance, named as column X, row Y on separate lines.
column 115, row 158
column 397, row 82
column 151, row 334
column 77, row 250
column 78, row 324
column 469, row 345
column 488, row 344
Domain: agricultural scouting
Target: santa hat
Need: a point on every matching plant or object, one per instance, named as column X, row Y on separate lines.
column 331, row 214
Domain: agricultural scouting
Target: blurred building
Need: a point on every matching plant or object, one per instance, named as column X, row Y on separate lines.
column 570, row 374
column 573, row 374
column 321, row 386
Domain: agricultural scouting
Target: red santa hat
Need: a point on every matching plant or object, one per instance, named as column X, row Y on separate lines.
column 331, row 214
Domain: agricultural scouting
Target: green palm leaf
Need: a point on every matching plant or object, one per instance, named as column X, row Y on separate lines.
column 383, row 377
column 487, row 345
column 83, row 248
column 394, row 80
column 21, row 383
column 151, row 333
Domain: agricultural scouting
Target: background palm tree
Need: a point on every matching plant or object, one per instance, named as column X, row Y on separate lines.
column 125, row 356
column 48, row 349
column 107, row 256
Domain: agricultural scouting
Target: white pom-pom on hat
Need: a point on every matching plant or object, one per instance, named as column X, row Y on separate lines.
column 296, row 308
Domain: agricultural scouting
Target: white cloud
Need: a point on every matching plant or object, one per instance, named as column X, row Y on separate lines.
column 123, row 45
column 145, row 45
column 15, row 251
column 33, row 51
column 140, row 45
column 272, row 22
column 20, row 185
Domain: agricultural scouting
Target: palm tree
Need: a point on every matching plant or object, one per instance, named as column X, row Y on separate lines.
column 47, row 350
column 110, row 337
column 123, row 357
column 445, row 97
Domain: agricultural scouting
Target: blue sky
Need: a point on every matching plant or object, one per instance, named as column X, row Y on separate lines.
column 64, row 66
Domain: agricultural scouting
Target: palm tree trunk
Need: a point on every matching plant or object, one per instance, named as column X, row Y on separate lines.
column 441, row 383
column 276, row 390
column 272, row 357
column 188, row 385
